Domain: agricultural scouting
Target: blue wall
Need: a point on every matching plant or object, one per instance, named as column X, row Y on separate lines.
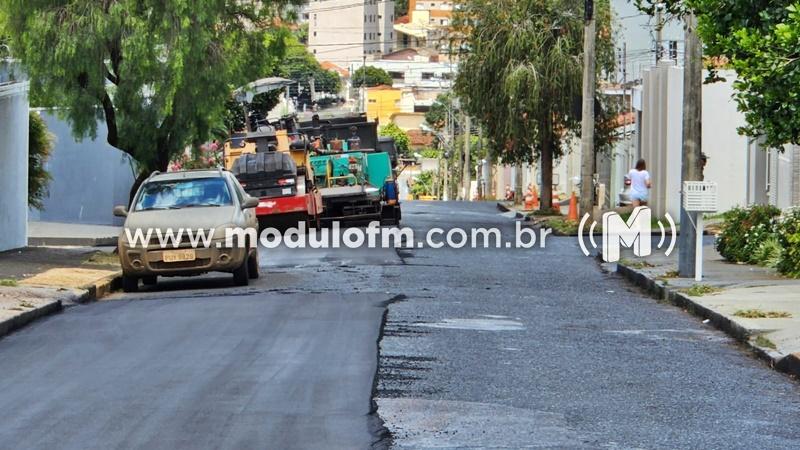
column 89, row 178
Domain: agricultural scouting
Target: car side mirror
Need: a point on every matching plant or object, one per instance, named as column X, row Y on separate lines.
column 250, row 202
column 120, row 211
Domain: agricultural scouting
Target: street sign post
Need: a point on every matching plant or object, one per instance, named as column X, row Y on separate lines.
column 699, row 197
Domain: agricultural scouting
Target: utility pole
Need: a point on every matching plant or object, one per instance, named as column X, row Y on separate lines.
column 659, row 26
column 627, row 105
column 692, row 132
column 467, row 173
column 587, row 122
column 362, row 93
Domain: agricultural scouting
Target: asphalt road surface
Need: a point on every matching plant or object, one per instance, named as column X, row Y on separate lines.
column 416, row 348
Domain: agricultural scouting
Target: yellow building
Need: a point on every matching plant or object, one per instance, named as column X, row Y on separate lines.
column 382, row 103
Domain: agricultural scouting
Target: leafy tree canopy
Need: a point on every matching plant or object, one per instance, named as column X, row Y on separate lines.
column 301, row 66
column 40, row 144
column 521, row 73
column 400, row 8
column 157, row 71
column 401, row 140
column 371, row 76
column 524, row 69
column 761, row 39
column 436, row 117
column 4, row 40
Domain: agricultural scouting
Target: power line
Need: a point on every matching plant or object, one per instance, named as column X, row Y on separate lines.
column 348, row 6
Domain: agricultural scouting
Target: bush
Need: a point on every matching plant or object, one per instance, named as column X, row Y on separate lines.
column 788, row 233
column 40, row 144
column 769, row 253
column 401, row 139
column 423, row 184
column 745, row 231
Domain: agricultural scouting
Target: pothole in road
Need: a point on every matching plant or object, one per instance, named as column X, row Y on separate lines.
column 483, row 323
column 421, row 423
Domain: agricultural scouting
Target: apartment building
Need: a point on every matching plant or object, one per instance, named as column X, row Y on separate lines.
column 425, row 25
column 346, row 31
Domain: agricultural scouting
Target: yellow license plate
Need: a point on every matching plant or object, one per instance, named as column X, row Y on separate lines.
column 178, row 255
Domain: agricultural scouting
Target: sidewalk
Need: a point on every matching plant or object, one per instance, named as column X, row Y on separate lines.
column 37, row 281
column 55, row 233
column 753, row 304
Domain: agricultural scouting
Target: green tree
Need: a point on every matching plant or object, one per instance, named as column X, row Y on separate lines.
column 40, row 144
column 401, row 140
column 301, row 66
column 157, row 71
column 4, row 40
column 436, row 116
column 521, row 77
column 761, row 41
column 425, row 183
column 372, row 76
column 400, row 8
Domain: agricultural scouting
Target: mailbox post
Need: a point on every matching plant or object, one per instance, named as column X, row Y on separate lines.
column 699, row 197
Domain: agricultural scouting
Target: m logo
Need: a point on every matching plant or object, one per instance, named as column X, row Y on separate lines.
column 635, row 233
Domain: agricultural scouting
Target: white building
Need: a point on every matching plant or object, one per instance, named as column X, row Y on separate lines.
column 745, row 173
column 344, row 31
column 14, row 161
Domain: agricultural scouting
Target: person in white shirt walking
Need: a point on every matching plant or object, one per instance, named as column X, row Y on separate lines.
column 640, row 184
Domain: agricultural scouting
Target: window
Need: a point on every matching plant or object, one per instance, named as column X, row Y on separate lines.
column 427, row 75
column 176, row 194
column 315, row 34
column 397, row 75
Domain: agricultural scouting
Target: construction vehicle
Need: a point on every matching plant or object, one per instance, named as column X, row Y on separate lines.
column 271, row 160
column 354, row 170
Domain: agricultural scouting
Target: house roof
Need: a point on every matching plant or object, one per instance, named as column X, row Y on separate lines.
column 327, row 65
column 419, row 138
column 382, row 87
column 406, row 54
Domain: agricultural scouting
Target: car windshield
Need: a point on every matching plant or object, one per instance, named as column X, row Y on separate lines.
column 176, row 194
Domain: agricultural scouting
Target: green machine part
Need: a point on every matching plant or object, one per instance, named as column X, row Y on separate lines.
column 380, row 168
column 320, row 166
column 374, row 168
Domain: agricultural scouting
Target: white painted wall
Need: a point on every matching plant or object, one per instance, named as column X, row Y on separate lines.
column 14, row 162
column 661, row 140
column 726, row 149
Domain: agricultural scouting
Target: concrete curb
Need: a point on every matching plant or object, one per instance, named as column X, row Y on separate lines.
column 89, row 294
column 785, row 363
column 504, row 208
column 19, row 321
column 101, row 288
column 71, row 241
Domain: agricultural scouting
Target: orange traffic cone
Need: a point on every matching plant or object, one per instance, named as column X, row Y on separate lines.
column 573, row 208
column 535, row 199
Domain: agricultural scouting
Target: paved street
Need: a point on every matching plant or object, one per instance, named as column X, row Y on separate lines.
column 480, row 348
